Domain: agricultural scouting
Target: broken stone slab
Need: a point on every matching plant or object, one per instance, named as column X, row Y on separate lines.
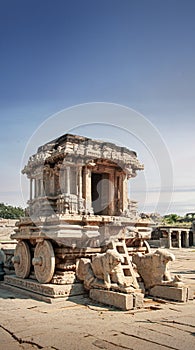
column 50, row 290
column 180, row 294
column 64, row 277
column 119, row 300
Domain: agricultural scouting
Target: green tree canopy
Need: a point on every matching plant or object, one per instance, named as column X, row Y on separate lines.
column 173, row 219
column 10, row 212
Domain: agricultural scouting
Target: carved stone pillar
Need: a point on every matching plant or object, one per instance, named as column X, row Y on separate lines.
column 118, row 194
column 79, row 179
column 179, row 238
column 62, row 180
column 169, row 239
column 67, row 180
column 73, row 180
column 38, row 190
column 41, row 188
column 125, row 192
column 87, row 188
column 187, row 239
column 35, row 188
column 31, row 184
column 111, row 195
column 52, row 183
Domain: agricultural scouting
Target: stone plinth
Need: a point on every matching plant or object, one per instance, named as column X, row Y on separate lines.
column 180, row 294
column 48, row 290
column 116, row 299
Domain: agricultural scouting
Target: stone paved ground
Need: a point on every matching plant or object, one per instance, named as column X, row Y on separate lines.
column 80, row 324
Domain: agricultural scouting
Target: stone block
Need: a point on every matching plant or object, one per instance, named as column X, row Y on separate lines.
column 170, row 293
column 119, row 300
column 191, row 293
column 138, row 300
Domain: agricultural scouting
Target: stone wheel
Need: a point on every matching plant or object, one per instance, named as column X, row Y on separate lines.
column 22, row 259
column 44, row 261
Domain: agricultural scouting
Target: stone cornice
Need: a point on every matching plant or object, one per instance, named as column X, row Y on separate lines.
column 80, row 149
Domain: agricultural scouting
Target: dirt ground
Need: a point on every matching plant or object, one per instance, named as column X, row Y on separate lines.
column 79, row 323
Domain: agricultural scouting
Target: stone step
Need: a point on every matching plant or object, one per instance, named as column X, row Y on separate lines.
column 125, row 267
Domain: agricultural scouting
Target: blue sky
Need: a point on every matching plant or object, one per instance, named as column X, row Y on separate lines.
column 56, row 54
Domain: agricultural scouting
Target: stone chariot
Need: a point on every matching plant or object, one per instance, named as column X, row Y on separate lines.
column 78, row 203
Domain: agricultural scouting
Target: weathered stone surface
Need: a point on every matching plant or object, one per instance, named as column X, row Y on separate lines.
column 191, row 294
column 51, row 290
column 44, row 261
column 138, row 300
column 175, row 236
column 22, row 259
column 65, row 277
column 7, row 227
column 105, row 267
column 71, row 324
column 153, row 268
column 78, row 198
column 170, row 293
column 119, row 300
column 2, row 256
column 109, row 270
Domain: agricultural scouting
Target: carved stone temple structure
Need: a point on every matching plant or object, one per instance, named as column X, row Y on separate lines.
column 80, row 222
column 175, row 236
column 76, row 176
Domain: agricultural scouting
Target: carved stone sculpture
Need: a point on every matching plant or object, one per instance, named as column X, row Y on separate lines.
column 153, row 268
column 107, row 266
column 104, row 269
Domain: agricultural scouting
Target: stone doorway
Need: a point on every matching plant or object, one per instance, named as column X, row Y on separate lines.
column 100, row 193
column 190, row 238
column 183, row 239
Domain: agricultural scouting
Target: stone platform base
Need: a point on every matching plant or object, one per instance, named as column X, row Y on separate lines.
column 181, row 294
column 120, row 300
column 44, row 292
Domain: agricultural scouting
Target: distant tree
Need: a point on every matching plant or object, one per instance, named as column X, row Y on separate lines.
column 10, row 212
column 189, row 217
column 172, row 219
